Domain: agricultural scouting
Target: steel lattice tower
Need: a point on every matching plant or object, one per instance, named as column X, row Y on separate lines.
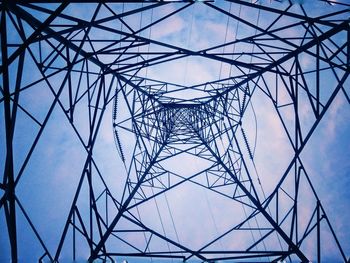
column 183, row 180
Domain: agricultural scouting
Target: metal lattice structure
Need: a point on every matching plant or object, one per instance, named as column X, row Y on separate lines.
column 68, row 66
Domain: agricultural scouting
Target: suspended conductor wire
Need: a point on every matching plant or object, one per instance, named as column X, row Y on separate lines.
column 171, row 217
column 252, row 153
column 255, row 169
column 140, row 25
column 161, row 221
column 213, row 218
column 238, row 191
column 121, row 29
column 159, row 214
column 188, row 43
column 230, row 73
column 249, row 150
column 119, row 142
column 156, row 203
column 256, row 127
column 225, row 40
column 255, row 137
column 234, row 45
column 251, row 60
column 251, row 157
column 149, row 46
column 144, row 234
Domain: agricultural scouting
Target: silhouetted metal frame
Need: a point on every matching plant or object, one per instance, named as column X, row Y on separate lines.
column 9, row 201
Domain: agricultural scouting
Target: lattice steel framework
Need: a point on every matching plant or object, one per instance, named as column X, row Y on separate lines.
column 70, row 65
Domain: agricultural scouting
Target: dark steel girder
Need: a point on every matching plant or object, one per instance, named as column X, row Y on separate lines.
column 125, row 205
column 258, row 70
column 35, row 34
column 240, row 2
column 342, row 26
column 105, row 68
column 294, row 248
column 177, row 50
column 9, row 200
column 8, row 178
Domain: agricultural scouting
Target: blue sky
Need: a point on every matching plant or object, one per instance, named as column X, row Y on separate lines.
column 49, row 182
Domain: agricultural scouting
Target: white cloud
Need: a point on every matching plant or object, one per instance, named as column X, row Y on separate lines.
column 167, row 28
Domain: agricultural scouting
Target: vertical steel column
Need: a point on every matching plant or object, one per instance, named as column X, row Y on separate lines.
column 10, row 203
column 318, row 232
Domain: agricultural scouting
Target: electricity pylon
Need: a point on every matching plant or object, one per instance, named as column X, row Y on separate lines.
column 70, row 65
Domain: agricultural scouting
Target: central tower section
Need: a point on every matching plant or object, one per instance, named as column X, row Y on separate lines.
column 184, row 122
column 168, row 143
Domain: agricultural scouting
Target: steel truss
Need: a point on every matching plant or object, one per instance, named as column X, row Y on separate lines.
column 95, row 63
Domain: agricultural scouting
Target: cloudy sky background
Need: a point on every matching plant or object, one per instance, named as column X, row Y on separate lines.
column 51, row 177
